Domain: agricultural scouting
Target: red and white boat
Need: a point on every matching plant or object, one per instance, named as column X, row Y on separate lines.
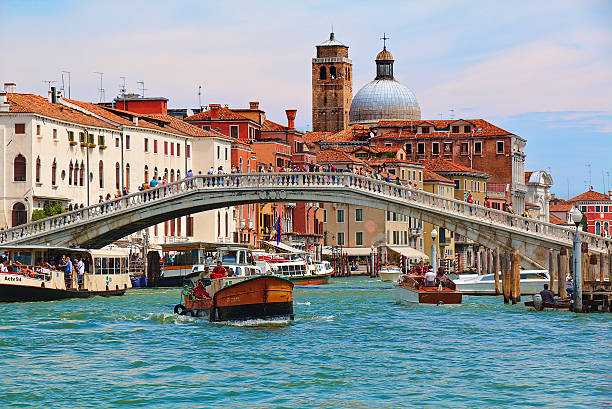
column 411, row 289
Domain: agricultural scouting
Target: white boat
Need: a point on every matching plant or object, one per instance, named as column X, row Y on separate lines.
column 293, row 266
column 390, row 273
column 532, row 282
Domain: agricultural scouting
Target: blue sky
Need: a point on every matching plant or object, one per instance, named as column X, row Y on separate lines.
column 539, row 69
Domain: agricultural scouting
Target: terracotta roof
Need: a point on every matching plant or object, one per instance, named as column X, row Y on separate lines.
column 555, row 220
column 347, row 134
column 429, row 176
column 527, row 176
column 486, row 128
column 225, row 114
column 30, row 103
column 440, row 165
column 269, row 126
column 390, row 161
column 335, row 155
column 590, row 196
column 188, row 129
column 529, row 204
column 564, row 207
column 311, row 138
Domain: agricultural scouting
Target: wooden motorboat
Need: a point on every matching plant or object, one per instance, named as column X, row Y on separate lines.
column 239, row 298
column 390, row 273
column 532, row 282
column 411, row 289
column 32, row 274
column 294, row 267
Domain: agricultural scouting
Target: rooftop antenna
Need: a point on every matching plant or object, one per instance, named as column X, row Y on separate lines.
column 588, row 181
column 200, row 97
column 63, row 90
column 452, row 113
column 122, row 88
column 441, row 116
column 49, row 82
column 101, row 89
column 142, row 88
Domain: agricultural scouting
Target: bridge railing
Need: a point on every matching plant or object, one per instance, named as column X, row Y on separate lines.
column 303, row 180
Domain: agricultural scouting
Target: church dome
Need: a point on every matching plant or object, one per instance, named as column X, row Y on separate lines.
column 384, row 98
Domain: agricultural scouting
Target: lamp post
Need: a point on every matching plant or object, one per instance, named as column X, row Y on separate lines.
column 434, row 257
column 577, row 219
column 372, row 249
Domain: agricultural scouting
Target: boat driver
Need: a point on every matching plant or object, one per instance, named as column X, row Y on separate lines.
column 430, row 279
column 219, row 271
column 547, row 295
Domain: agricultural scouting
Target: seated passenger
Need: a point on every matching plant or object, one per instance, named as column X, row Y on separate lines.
column 547, row 295
column 430, row 279
column 219, row 271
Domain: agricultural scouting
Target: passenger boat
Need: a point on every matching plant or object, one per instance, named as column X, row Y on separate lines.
column 33, row 274
column 292, row 266
column 390, row 273
column 532, row 282
column 411, row 289
column 240, row 298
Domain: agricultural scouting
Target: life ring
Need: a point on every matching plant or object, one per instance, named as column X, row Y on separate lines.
column 179, row 309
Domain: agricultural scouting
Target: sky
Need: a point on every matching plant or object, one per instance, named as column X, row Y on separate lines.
column 539, row 69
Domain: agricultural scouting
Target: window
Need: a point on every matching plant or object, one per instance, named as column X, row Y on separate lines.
column 146, row 173
column 465, row 148
column 146, row 144
column 359, row 238
column 597, row 209
column 117, row 174
column 19, row 214
column 340, row 239
column 53, row 172
column 435, row 148
column 218, row 152
column 165, row 147
column 19, row 128
column 457, row 184
column 455, row 129
column 101, row 174
column 127, row 175
column 234, row 131
column 188, row 151
column 395, row 237
column 37, row 129
column 82, row 137
column 19, row 168
column 55, row 134
column 467, row 129
column 189, row 226
column 116, row 142
column 448, row 148
column 154, row 145
column 324, row 215
column 605, row 209
column 81, row 175
column 340, row 215
column 323, row 73
column 100, row 139
column 171, row 148
column 70, row 170
column 76, row 173
column 90, row 139
column 358, row 215
column 178, row 149
column 332, row 73
column 127, row 141
column 420, row 176
column 425, row 129
column 478, row 148
column 408, row 149
column 38, row 169
column 421, row 148
column 225, row 153
column 70, row 136
column 500, row 147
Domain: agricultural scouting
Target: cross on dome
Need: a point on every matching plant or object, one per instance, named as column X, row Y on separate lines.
column 384, row 38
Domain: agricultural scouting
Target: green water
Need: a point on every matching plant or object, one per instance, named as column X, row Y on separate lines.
column 350, row 346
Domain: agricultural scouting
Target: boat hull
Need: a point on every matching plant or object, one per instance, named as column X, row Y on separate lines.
column 528, row 287
column 20, row 293
column 428, row 295
column 389, row 276
column 314, row 279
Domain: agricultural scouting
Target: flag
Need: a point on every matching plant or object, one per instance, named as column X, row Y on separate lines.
column 277, row 227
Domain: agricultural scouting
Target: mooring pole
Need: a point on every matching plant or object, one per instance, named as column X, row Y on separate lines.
column 577, row 272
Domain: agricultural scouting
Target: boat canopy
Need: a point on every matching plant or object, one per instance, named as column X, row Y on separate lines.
column 349, row 251
column 409, row 252
column 284, row 247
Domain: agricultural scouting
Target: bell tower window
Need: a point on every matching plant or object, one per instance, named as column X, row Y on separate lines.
column 332, row 73
column 323, row 73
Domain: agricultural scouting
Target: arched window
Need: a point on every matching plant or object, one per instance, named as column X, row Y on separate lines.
column 155, row 173
column 166, row 174
column 127, row 175
column 81, row 174
column 226, row 225
column 332, row 73
column 146, row 174
column 117, row 184
column 248, row 165
column 323, row 73
column 101, row 174
column 218, row 224
column 76, row 173
column 70, row 169
column 171, row 175
column 53, row 172
column 38, row 169
column 178, row 174
column 19, row 168
column 324, row 99
column 19, row 215
column 605, row 231
column 240, row 166
column 597, row 228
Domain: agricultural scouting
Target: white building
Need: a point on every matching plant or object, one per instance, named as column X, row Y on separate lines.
column 76, row 153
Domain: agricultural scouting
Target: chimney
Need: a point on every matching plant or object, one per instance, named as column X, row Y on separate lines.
column 214, row 111
column 610, row 194
column 254, row 105
column 4, row 105
column 135, row 120
column 291, row 118
column 49, row 96
column 53, row 96
column 10, row 87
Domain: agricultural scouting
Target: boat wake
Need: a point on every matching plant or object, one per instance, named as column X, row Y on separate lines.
column 319, row 318
column 274, row 322
column 169, row 318
column 303, row 303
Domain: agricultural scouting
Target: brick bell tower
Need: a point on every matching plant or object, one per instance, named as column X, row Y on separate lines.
column 332, row 86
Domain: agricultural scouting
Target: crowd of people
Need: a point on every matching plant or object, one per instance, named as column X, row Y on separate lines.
column 74, row 270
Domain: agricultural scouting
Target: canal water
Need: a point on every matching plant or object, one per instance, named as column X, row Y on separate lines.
column 350, row 346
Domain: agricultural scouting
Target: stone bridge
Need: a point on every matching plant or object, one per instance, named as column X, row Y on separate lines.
column 101, row 224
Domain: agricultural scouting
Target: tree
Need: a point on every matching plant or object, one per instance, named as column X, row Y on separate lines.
column 49, row 209
column 585, row 223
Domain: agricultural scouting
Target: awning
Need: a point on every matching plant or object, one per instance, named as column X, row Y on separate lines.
column 409, row 252
column 284, row 247
column 349, row 251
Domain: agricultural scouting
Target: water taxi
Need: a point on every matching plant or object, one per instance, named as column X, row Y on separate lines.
column 32, row 273
column 239, row 298
column 532, row 282
column 411, row 289
column 296, row 267
column 390, row 273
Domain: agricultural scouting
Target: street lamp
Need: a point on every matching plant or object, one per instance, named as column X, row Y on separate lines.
column 434, row 257
column 577, row 219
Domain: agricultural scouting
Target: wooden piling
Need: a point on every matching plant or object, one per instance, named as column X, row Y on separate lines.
column 563, row 268
column 551, row 271
column 517, row 277
column 506, row 277
column 602, row 270
column 585, row 263
column 593, row 267
column 496, row 270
